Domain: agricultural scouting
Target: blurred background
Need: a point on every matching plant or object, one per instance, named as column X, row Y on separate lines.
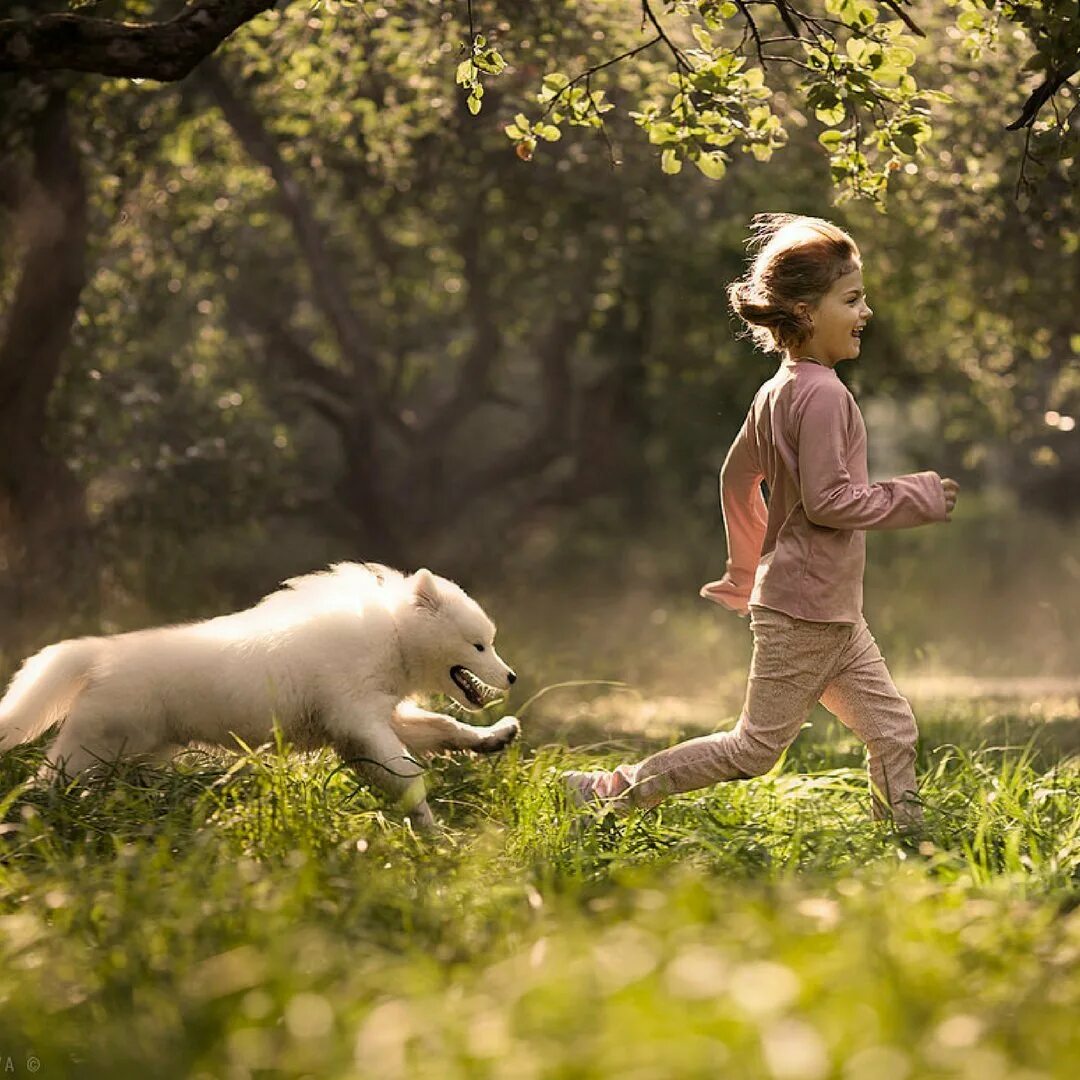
column 303, row 307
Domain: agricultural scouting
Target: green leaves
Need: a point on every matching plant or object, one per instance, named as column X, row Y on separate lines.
column 566, row 101
column 670, row 163
column 716, row 103
column 715, row 92
column 864, row 89
column 713, row 165
column 858, row 14
column 481, row 60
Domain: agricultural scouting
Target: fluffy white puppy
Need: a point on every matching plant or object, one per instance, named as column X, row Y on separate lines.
column 331, row 656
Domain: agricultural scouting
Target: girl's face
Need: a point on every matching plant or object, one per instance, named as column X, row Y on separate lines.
column 839, row 318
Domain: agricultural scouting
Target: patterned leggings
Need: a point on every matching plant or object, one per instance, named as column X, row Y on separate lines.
column 796, row 663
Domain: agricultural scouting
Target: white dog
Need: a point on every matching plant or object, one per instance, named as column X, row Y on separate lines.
column 331, row 656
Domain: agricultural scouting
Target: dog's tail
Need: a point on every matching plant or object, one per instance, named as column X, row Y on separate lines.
column 44, row 688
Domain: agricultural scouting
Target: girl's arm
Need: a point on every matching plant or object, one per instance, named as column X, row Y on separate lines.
column 829, row 496
column 745, row 518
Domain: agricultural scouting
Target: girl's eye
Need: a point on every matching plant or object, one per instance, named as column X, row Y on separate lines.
column 478, row 648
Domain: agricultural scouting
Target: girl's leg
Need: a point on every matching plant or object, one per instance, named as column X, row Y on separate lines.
column 862, row 696
column 791, row 663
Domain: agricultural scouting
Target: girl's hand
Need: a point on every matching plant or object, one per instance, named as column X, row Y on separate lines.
column 725, row 593
column 952, row 489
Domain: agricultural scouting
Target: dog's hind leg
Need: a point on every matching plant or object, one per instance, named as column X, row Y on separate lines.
column 92, row 736
column 426, row 732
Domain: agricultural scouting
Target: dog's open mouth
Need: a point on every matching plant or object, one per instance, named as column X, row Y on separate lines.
column 476, row 691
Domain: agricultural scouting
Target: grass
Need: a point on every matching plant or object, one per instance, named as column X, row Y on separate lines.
column 257, row 915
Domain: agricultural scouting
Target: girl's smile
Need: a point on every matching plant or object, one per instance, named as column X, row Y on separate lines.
column 839, row 319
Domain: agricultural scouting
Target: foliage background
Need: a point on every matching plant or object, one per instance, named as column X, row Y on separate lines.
column 326, row 312
column 320, row 310
column 308, row 304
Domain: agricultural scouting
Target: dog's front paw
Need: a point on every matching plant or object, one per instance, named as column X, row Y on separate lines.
column 500, row 735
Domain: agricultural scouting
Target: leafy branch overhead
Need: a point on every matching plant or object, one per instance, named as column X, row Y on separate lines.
column 701, row 78
column 713, row 76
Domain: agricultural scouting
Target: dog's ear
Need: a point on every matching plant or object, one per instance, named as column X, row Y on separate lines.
column 426, row 591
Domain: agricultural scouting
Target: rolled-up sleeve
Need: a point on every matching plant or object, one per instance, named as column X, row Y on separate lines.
column 829, row 496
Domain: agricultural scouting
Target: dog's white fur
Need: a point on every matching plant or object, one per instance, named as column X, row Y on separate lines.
column 332, row 656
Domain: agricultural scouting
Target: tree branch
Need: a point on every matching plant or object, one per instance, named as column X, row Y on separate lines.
column 904, row 17
column 786, row 18
column 328, row 389
column 1042, row 93
column 648, row 15
column 752, row 26
column 589, row 72
column 329, row 291
column 165, row 51
column 550, row 438
column 473, row 381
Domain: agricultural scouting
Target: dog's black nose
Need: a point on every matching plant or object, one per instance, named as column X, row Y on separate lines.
column 511, row 677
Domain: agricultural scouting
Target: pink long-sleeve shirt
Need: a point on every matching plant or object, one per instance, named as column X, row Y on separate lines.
column 805, row 551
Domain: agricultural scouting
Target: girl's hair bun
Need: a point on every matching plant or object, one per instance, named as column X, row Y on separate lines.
column 780, row 322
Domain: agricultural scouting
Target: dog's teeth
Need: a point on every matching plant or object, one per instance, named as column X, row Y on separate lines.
column 482, row 691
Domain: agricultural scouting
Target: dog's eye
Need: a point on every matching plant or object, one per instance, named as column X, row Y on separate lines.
column 478, row 647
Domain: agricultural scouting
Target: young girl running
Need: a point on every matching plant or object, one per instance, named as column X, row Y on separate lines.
column 795, row 564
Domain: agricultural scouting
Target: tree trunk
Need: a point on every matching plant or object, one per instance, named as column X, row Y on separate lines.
column 44, row 532
column 364, row 490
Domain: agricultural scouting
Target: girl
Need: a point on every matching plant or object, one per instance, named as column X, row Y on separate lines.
column 795, row 564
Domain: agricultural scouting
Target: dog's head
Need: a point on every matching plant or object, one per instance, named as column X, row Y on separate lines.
column 449, row 643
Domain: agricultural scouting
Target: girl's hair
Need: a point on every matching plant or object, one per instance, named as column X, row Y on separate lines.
column 796, row 258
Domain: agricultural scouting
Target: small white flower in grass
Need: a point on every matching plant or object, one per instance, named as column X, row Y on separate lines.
column 794, row 1051
column 309, row 1016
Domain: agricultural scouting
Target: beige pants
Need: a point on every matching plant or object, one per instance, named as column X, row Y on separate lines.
column 796, row 663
